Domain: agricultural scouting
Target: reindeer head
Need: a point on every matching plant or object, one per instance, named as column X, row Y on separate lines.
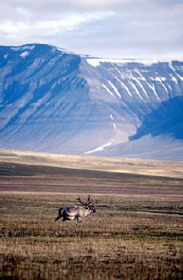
column 87, row 205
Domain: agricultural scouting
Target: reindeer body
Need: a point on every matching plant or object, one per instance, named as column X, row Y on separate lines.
column 76, row 212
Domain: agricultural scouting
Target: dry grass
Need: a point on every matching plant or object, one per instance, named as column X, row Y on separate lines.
column 130, row 237
column 136, row 233
column 113, row 165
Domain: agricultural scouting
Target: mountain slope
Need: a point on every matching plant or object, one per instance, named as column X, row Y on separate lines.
column 55, row 101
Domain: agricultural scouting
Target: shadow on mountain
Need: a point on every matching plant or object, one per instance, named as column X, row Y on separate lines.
column 166, row 119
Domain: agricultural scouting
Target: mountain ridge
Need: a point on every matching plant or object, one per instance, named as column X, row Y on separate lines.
column 55, row 101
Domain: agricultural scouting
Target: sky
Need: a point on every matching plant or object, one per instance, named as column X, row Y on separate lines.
column 102, row 28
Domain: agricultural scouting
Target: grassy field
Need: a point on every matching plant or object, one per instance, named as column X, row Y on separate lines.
column 114, row 165
column 136, row 233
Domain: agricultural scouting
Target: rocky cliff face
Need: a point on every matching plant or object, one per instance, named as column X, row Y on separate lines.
column 55, row 101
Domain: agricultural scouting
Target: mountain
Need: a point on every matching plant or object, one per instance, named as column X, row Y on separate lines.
column 55, row 101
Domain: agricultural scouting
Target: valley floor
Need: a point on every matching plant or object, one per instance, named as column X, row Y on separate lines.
column 136, row 233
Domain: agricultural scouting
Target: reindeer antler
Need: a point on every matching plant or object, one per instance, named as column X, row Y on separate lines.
column 84, row 203
column 89, row 200
column 79, row 200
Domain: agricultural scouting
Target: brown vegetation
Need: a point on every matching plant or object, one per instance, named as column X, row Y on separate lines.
column 130, row 237
column 136, row 233
column 114, row 165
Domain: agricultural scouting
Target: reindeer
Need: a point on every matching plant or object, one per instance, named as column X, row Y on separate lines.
column 76, row 212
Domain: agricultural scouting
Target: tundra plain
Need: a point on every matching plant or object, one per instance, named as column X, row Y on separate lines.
column 136, row 233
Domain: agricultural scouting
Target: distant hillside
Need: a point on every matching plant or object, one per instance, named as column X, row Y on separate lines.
column 31, row 163
column 55, row 101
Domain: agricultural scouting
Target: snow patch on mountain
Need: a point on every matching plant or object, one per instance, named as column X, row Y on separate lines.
column 98, row 61
column 101, row 148
column 23, row 48
column 24, row 54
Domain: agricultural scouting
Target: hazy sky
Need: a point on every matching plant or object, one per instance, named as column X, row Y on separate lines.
column 105, row 28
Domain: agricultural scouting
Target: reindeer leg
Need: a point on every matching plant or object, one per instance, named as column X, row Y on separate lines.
column 57, row 218
column 79, row 220
column 60, row 214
